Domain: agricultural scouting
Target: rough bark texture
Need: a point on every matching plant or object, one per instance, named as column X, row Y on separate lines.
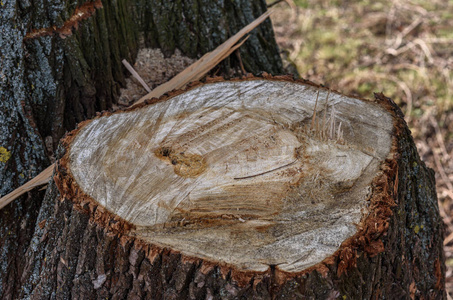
column 200, row 26
column 60, row 64
column 396, row 254
column 50, row 79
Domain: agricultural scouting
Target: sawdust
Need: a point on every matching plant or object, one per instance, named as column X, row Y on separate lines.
column 154, row 69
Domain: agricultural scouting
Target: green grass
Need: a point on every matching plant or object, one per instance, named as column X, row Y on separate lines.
column 345, row 45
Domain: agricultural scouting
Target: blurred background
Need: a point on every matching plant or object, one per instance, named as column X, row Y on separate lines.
column 402, row 48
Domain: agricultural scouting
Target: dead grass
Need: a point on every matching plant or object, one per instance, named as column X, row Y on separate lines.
column 403, row 48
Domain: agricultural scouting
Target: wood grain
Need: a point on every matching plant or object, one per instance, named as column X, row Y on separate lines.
column 231, row 171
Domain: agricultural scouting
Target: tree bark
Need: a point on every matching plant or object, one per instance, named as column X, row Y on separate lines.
column 196, row 27
column 61, row 63
column 89, row 247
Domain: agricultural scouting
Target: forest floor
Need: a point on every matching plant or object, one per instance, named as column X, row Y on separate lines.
column 403, row 48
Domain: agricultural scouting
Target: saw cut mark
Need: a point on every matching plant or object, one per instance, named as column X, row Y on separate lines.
column 80, row 13
column 266, row 172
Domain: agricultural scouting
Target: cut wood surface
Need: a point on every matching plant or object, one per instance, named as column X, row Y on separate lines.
column 255, row 188
column 233, row 172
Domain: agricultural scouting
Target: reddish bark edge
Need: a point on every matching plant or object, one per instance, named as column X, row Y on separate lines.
column 370, row 230
column 81, row 13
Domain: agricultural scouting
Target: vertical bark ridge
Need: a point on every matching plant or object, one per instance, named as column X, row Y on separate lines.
column 22, row 151
column 199, row 26
column 83, row 261
column 42, row 77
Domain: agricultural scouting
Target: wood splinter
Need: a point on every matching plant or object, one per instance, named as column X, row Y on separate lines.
column 266, row 172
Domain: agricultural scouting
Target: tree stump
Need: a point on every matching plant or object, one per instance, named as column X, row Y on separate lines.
column 261, row 188
column 61, row 64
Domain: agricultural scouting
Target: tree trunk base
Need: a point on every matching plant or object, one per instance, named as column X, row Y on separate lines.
column 80, row 250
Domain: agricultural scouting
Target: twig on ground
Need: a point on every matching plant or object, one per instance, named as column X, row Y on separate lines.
column 439, row 138
column 410, row 45
column 449, row 238
column 135, row 75
column 442, row 173
column 447, row 220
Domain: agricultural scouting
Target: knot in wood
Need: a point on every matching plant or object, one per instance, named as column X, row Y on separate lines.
column 184, row 164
